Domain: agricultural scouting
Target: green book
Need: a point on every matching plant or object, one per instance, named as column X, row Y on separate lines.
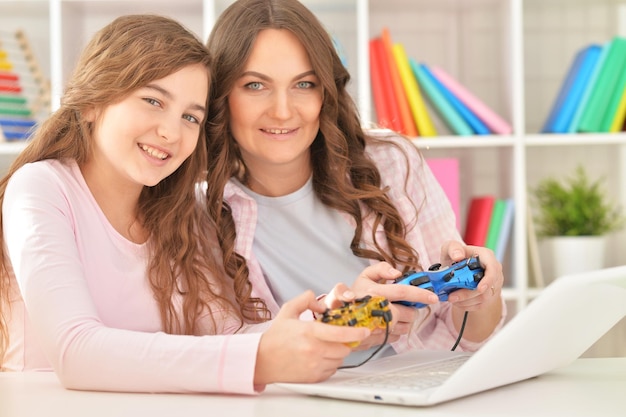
column 609, row 76
column 12, row 99
column 15, row 111
column 495, row 224
column 614, row 100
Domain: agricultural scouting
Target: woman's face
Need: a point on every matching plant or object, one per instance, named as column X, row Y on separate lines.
column 275, row 104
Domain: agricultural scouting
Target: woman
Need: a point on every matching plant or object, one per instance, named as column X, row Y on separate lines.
column 309, row 198
column 105, row 278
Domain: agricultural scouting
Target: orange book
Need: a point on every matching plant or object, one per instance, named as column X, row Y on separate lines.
column 408, row 123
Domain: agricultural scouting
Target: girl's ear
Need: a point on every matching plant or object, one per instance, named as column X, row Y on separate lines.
column 90, row 115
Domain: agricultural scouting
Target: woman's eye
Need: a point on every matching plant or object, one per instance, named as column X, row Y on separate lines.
column 190, row 118
column 305, row 84
column 254, row 85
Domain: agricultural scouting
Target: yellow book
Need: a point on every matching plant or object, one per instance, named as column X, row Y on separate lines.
column 423, row 121
column 620, row 113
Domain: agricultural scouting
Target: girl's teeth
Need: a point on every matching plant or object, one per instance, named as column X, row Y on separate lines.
column 154, row 152
column 278, row 131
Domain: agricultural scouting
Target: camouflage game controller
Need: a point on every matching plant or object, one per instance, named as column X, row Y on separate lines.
column 371, row 312
column 462, row 274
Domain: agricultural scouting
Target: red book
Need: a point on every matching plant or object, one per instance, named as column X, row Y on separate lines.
column 378, row 86
column 406, row 118
column 8, row 76
column 478, row 220
column 395, row 121
column 10, row 88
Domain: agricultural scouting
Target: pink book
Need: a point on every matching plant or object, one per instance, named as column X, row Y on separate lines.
column 446, row 171
column 496, row 123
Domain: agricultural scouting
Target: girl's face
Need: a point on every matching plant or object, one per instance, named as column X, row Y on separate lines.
column 275, row 104
column 146, row 136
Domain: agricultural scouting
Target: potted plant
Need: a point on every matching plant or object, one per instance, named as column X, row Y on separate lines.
column 575, row 215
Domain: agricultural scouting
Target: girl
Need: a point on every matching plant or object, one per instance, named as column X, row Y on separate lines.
column 110, row 275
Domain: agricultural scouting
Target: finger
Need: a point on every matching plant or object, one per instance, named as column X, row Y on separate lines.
column 338, row 295
column 453, row 251
column 298, row 305
column 410, row 293
column 381, row 271
column 339, row 334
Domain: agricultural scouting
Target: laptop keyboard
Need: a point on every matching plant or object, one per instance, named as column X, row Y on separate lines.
column 417, row 377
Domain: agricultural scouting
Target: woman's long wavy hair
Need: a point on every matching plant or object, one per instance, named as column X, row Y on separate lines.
column 343, row 175
column 128, row 54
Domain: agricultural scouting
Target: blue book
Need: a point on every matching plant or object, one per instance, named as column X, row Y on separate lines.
column 474, row 122
column 572, row 90
column 588, row 89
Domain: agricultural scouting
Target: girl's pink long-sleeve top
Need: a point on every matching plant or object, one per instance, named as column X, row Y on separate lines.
column 83, row 306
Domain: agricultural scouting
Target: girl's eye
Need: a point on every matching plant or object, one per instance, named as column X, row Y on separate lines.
column 305, row 84
column 190, row 118
column 255, row 85
column 152, row 101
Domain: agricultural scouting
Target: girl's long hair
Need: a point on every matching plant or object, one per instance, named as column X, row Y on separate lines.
column 344, row 177
column 125, row 55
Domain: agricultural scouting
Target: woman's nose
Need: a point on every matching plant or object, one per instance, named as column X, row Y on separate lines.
column 281, row 106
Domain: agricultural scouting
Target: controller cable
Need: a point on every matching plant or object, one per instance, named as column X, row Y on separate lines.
column 456, row 343
column 373, row 353
column 458, row 339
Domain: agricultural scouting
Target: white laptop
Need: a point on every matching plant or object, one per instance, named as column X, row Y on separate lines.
column 558, row 326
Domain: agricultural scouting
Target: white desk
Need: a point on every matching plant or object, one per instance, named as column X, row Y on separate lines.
column 588, row 387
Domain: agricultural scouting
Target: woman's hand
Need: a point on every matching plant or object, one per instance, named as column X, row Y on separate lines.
column 292, row 350
column 490, row 286
column 484, row 304
column 373, row 281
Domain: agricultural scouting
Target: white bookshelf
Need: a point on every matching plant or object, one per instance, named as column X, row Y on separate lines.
column 513, row 54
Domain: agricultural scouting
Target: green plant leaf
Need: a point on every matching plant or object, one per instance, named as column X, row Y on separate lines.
column 575, row 207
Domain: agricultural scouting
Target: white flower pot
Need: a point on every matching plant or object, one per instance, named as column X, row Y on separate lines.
column 573, row 254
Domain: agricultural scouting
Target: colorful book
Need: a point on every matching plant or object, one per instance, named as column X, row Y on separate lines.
column 584, row 99
column 572, row 89
column 615, row 108
column 505, row 229
column 448, row 113
column 495, row 123
column 408, row 124
column 474, row 122
column 394, row 112
column 422, row 119
column 620, row 114
column 383, row 115
column 495, row 224
column 478, row 219
column 594, row 113
column 446, row 171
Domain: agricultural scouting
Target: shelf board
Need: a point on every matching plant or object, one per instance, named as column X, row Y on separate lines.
column 575, row 139
column 11, row 148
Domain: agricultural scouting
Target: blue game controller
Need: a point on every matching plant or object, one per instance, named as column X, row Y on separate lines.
column 462, row 274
